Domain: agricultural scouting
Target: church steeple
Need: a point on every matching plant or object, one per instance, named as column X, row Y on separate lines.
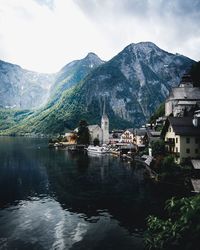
column 105, row 125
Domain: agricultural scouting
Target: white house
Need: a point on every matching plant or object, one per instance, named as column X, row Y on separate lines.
column 127, row 136
column 182, row 136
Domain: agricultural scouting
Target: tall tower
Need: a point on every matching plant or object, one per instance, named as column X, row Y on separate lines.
column 105, row 126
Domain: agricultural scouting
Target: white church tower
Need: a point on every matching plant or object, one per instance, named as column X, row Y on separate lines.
column 105, row 127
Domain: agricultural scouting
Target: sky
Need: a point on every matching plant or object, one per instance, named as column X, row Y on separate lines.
column 45, row 35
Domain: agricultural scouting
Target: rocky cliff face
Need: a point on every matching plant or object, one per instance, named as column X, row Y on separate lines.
column 23, row 89
column 71, row 74
column 132, row 84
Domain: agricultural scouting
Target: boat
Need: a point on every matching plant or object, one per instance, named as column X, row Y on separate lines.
column 97, row 150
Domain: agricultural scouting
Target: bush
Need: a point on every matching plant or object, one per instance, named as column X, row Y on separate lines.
column 180, row 230
column 158, row 147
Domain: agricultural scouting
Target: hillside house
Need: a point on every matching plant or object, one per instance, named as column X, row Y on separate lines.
column 182, row 136
column 183, row 100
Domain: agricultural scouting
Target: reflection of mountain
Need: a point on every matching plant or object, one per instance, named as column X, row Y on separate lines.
column 22, row 174
column 92, row 185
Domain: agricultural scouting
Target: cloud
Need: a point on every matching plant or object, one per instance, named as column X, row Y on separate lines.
column 48, row 3
column 44, row 35
column 172, row 24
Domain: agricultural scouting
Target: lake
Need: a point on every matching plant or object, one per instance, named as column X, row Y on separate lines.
column 52, row 199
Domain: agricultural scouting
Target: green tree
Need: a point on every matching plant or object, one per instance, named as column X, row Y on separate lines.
column 83, row 135
column 158, row 147
column 96, row 142
column 180, row 231
column 160, row 111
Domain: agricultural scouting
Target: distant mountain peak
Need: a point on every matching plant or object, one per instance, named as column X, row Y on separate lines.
column 92, row 56
column 142, row 46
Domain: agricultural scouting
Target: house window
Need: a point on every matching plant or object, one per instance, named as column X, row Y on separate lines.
column 196, row 140
column 176, row 140
column 187, row 140
column 176, row 150
column 187, row 150
column 170, row 130
column 196, row 151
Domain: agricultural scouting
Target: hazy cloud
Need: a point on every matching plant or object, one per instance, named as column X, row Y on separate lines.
column 44, row 35
column 172, row 24
column 49, row 3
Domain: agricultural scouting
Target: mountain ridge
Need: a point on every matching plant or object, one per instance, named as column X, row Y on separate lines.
column 133, row 83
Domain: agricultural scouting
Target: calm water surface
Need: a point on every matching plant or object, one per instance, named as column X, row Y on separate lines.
column 51, row 199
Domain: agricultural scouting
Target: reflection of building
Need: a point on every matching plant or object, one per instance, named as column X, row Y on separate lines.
column 183, row 99
column 182, row 136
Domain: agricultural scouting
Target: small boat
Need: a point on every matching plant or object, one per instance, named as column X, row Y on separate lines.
column 97, row 150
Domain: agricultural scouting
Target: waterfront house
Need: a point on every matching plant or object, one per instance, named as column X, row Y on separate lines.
column 182, row 136
column 115, row 136
column 71, row 137
column 127, row 136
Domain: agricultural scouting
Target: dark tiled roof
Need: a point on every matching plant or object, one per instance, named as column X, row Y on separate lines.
column 131, row 130
column 140, row 131
column 184, row 126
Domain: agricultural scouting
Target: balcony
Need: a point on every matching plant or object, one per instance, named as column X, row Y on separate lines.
column 170, row 142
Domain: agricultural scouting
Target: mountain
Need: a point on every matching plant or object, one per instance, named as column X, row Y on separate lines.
column 71, row 74
column 132, row 84
column 23, row 89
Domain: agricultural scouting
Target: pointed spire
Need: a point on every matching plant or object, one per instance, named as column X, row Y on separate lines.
column 104, row 106
column 104, row 115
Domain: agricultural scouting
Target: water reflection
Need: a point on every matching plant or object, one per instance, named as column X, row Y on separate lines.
column 55, row 200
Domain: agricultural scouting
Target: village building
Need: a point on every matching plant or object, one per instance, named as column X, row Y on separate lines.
column 95, row 133
column 140, row 138
column 184, row 99
column 100, row 133
column 71, row 137
column 182, row 136
column 115, row 136
column 127, row 136
column 151, row 136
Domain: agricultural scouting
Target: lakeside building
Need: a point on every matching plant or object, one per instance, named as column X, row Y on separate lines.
column 182, row 136
column 100, row 133
column 140, row 138
column 115, row 136
column 71, row 137
column 127, row 136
